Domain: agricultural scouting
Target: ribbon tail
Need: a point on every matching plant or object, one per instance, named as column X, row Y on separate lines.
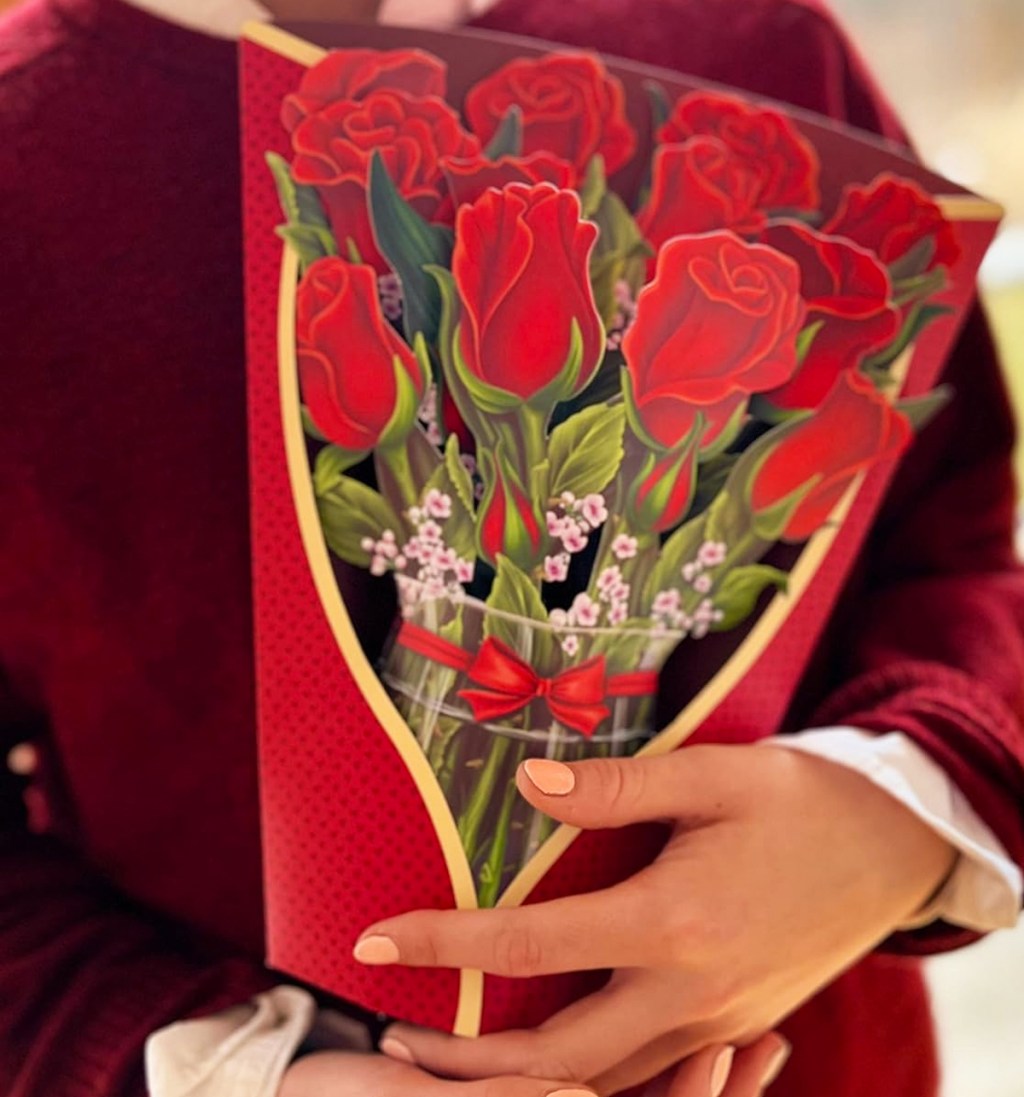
column 580, row 717
column 490, row 705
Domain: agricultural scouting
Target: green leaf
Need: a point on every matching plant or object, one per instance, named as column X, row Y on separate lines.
column 738, row 593
column 658, row 101
column 351, row 511
column 458, row 474
column 310, row 242
column 594, row 186
column 409, row 243
column 515, row 593
column 586, row 450
column 620, row 253
column 679, row 549
column 920, row 410
column 331, row 462
column 299, row 203
column 508, row 138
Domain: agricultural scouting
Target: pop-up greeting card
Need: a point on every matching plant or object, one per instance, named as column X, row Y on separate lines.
column 574, row 385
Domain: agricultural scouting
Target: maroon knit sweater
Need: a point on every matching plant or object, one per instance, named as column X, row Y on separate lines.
column 125, row 636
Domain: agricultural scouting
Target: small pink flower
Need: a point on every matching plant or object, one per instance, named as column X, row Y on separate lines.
column 574, row 540
column 464, row 570
column 388, row 535
column 691, row 571
column 608, row 578
column 556, row 568
column 437, row 504
column 624, row 547
column 367, row 544
column 617, row 614
column 559, row 618
column 556, row 525
column 666, row 602
column 585, row 611
column 444, row 559
column 571, row 645
column 400, row 562
column 619, row 592
column 702, row 584
column 711, row 553
column 430, row 532
column 434, row 588
column 593, row 509
column 378, row 565
column 387, row 549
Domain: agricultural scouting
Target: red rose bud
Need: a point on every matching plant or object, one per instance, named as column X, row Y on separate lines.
column 334, row 147
column 698, row 187
column 467, row 180
column 854, row 429
column 849, row 294
column 662, row 492
column 571, row 107
column 781, row 165
column 719, row 322
column 507, row 522
column 360, row 381
column 528, row 329
column 899, row 222
column 355, row 73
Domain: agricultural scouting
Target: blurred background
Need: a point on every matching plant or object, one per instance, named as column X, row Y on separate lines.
column 955, row 70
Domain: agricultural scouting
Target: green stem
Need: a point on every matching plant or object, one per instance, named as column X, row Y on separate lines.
column 395, row 475
column 483, row 793
column 493, row 871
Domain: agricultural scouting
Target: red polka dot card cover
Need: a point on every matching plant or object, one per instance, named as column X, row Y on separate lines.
column 574, row 386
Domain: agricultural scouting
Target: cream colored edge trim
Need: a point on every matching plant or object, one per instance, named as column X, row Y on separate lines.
column 470, row 1006
column 969, row 207
column 281, row 42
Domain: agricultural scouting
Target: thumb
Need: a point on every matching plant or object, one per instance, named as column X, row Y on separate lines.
column 688, row 786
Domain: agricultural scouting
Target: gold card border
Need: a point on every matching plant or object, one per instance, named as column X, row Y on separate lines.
column 470, row 1005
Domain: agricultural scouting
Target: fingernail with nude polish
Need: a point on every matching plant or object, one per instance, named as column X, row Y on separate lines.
column 395, row 1049
column 720, row 1070
column 571, row 1093
column 774, row 1068
column 376, row 949
column 552, row 778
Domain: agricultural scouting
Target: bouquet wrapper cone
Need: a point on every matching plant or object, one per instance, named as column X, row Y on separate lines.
column 355, row 827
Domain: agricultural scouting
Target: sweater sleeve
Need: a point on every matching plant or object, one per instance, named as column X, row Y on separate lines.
column 85, row 976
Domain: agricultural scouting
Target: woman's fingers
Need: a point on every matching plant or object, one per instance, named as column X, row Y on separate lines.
column 327, row 1074
column 580, row 933
column 686, row 786
column 756, row 1067
column 583, row 1041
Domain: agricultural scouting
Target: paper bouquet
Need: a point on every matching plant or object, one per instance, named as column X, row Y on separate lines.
column 574, row 393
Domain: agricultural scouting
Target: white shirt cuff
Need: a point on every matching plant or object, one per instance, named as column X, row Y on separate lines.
column 241, row 1052
column 983, row 892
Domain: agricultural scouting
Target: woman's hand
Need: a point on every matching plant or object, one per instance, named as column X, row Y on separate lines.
column 782, row 869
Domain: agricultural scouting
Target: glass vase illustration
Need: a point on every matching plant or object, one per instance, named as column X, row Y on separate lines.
column 484, row 690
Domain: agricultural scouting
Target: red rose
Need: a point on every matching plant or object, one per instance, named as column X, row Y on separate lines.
column 355, row 73
column 782, row 163
column 698, row 187
column 572, row 107
column 507, row 524
column 528, row 326
column 333, row 149
column 845, row 289
column 351, row 361
column 853, row 430
column 718, row 322
column 468, row 179
column 892, row 217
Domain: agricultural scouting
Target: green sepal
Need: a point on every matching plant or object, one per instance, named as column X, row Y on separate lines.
column 645, row 516
column 915, row 261
column 606, row 387
column 620, row 254
column 805, row 340
column 921, row 410
column 410, row 244
column 632, row 416
column 770, row 524
column 919, row 288
column 594, row 186
column 407, row 405
column 508, row 137
column 309, row 242
column 349, row 512
column 515, row 593
column 919, row 317
column 300, row 202
column 309, row 426
column 499, row 475
column 458, row 474
column 552, row 394
column 659, row 104
column 738, row 593
column 586, row 451
column 728, row 434
column 330, row 464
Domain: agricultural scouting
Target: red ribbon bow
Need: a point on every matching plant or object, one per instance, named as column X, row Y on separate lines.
column 575, row 697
